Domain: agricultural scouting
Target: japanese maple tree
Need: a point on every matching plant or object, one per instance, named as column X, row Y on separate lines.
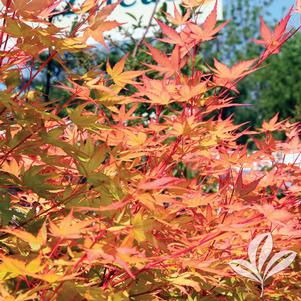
column 110, row 204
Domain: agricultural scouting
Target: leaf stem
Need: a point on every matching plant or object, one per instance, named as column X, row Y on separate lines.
column 262, row 289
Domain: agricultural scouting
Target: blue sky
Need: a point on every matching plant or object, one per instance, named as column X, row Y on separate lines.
column 279, row 4
column 278, row 9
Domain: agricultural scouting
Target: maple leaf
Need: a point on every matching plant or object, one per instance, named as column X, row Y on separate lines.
column 157, row 91
column 181, row 280
column 272, row 125
column 77, row 90
column 86, row 6
column 122, row 78
column 194, row 3
column 147, row 171
column 135, row 139
column 226, row 76
column 245, row 189
column 96, row 31
column 272, row 41
column 48, row 11
column 12, row 268
column 12, row 167
column 97, row 16
column 167, row 65
column 187, row 92
column 32, row 8
column 293, row 145
column 268, row 145
column 178, row 19
column 99, row 24
column 208, row 29
column 123, row 116
column 83, row 118
column 141, row 227
column 278, row 216
column 173, row 36
column 69, row 228
column 35, row 242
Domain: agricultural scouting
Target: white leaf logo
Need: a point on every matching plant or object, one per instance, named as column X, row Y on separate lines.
column 252, row 269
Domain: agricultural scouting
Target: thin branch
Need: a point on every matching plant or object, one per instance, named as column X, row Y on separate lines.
column 146, row 30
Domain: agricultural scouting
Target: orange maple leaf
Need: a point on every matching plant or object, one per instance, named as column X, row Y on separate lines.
column 278, row 216
column 272, row 41
column 188, row 92
column 272, row 125
column 157, row 91
column 173, row 36
column 167, row 65
column 96, row 31
column 208, row 29
column 81, row 92
column 178, row 19
column 32, row 8
column 226, row 76
column 69, row 228
column 12, row 167
column 100, row 24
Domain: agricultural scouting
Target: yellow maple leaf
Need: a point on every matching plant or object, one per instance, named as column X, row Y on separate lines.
column 196, row 3
column 35, row 242
column 119, row 77
column 141, row 227
column 12, row 267
column 135, row 139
